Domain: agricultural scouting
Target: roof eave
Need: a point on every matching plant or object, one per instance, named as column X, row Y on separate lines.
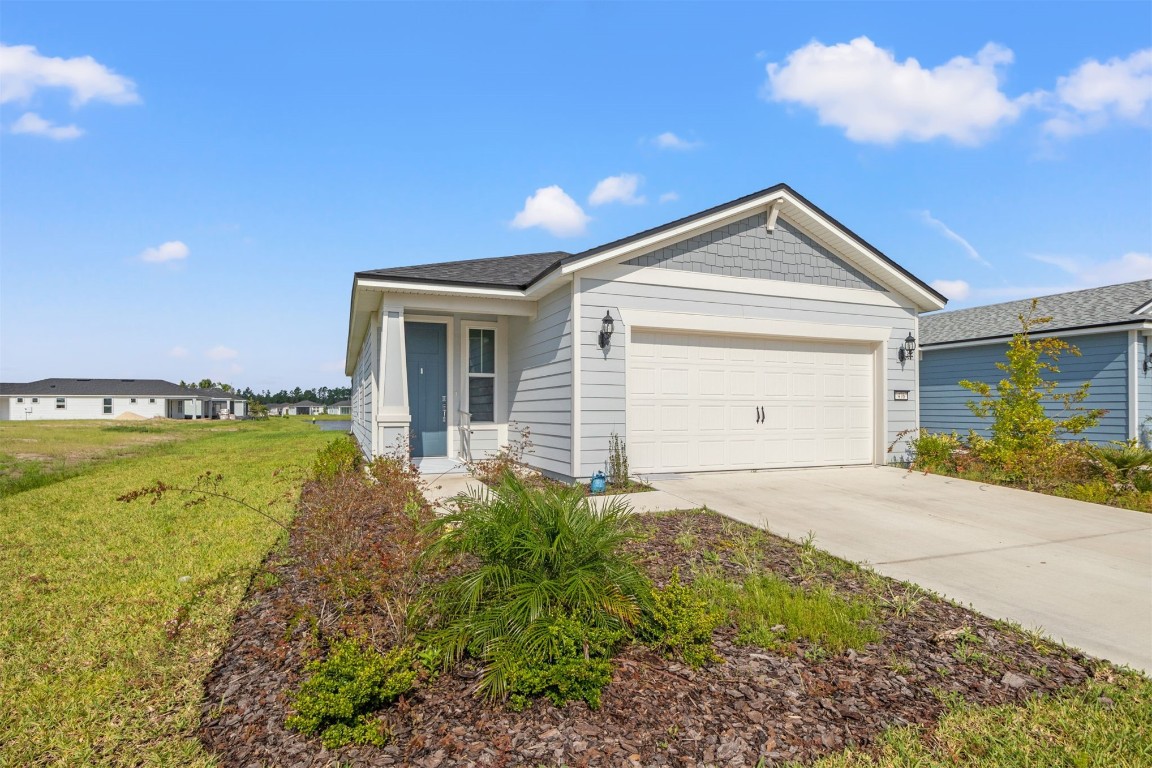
column 1001, row 337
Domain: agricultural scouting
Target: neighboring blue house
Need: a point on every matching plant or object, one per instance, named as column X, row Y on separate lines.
column 1110, row 326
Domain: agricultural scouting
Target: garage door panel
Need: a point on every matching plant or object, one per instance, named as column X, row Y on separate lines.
column 712, row 402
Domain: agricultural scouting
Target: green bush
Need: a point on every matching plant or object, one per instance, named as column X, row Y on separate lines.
column 681, row 623
column 343, row 690
column 934, row 452
column 532, row 557
column 341, row 456
column 572, row 661
column 1094, row 491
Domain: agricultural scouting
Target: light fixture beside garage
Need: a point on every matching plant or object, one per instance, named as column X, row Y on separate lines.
column 606, row 325
column 907, row 349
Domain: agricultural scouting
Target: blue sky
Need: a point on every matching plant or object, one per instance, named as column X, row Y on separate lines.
column 186, row 189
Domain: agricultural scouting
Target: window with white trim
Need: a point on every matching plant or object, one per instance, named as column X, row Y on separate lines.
column 61, row 403
column 151, row 400
column 108, row 405
column 19, row 399
column 482, row 374
column 132, row 400
column 35, row 399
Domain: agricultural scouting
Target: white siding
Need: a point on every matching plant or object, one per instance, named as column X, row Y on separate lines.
column 602, row 372
column 540, row 381
column 81, row 407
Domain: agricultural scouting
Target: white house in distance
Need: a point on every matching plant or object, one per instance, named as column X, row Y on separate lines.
column 340, row 408
column 114, row 398
column 760, row 333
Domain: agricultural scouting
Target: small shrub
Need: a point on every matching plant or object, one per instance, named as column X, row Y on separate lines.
column 1094, row 491
column 536, row 555
column 681, row 623
column 571, row 661
column 509, row 460
column 617, row 461
column 343, row 690
column 934, row 452
column 341, row 456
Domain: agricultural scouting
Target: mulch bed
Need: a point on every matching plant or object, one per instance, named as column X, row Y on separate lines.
column 759, row 706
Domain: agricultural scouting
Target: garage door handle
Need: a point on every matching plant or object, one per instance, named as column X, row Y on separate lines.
column 759, row 415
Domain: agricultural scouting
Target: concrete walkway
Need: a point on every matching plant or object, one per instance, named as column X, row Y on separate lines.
column 1082, row 573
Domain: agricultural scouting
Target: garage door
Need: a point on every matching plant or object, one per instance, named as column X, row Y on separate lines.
column 698, row 402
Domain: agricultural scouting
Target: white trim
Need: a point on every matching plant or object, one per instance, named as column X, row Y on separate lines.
column 752, row 326
column 1145, row 326
column 880, row 403
column 465, row 305
column 1135, row 358
column 1142, row 308
column 773, row 213
column 499, row 394
column 393, row 286
column 752, row 286
column 577, row 395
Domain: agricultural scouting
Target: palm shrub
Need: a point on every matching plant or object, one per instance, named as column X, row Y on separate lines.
column 540, row 566
column 1129, row 463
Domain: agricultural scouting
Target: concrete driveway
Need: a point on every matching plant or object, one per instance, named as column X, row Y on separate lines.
column 1080, row 572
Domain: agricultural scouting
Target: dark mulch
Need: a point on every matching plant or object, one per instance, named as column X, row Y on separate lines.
column 758, row 705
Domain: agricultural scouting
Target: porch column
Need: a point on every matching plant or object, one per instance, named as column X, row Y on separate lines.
column 392, row 415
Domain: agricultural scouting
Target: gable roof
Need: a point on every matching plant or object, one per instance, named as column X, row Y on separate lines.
column 99, row 387
column 1088, row 308
column 521, row 271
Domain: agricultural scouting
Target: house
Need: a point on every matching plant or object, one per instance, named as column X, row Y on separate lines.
column 306, row 408
column 340, row 408
column 1110, row 326
column 113, row 398
column 759, row 333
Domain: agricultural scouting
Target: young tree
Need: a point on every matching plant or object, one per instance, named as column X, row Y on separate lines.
column 1020, row 423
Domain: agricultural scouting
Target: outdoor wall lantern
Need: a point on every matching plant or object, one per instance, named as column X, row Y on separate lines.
column 1148, row 362
column 907, row 349
column 605, row 337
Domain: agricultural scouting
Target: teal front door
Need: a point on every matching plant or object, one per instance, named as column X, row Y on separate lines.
column 426, row 353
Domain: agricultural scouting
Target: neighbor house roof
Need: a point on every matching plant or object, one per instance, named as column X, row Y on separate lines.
column 305, row 403
column 99, row 387
column 1092, row 307
column 342, row 402
column 521, row 271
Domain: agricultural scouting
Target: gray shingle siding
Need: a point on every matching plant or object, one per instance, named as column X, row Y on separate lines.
column 1103, row 362
column 746, row 249
column 540, row 381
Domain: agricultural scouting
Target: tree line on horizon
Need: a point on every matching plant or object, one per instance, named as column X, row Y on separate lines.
column 321, row 395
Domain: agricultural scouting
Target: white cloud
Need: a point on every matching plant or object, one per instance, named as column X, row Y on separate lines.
column 669, row 197
column 174, row 250
column 178, row 352
column 617, row 189
column 552, row 209
column 669, row 140
column 1089, row 274
column 23, row 71
column 32, row 123
column 863, row 89
column 1096, row 94
column 948, row 233
column 954, row 290
column 221, row 352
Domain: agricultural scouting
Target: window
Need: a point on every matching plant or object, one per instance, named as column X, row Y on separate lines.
column 19, row 399
column 35, row 399
column 107, row 405
column 151, row 400
column 482, row 374
column 132, row 400
column 61, row 404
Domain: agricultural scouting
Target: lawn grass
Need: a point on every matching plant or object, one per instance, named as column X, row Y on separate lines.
column 1105, row 724
column 112, row 612
column 37, row 453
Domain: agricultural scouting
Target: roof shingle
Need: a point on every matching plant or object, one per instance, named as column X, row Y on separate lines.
column 1110, row 305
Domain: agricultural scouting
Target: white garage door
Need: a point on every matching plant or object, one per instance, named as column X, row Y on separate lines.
column 699, row 402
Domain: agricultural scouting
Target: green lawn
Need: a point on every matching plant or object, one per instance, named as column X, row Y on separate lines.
column 112, row 612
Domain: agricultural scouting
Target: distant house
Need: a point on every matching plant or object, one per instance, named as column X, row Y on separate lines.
column 340, row 408
column 278, row 409
column 114, row 398
column 307, row 408
column 1111, row 326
